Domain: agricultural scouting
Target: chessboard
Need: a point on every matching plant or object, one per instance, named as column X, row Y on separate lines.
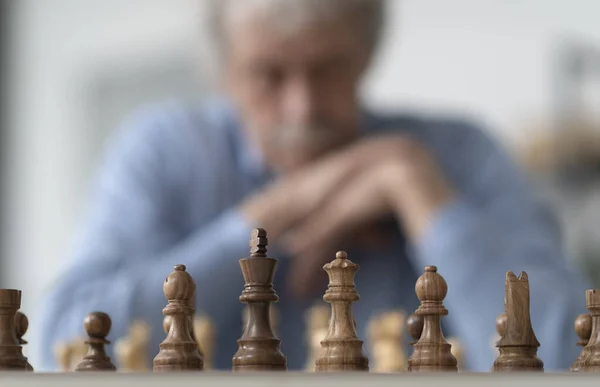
column 337, row 356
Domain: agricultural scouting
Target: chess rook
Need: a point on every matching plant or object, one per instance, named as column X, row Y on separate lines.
column 341, row 347
column 583, row 329
column 258, row 348
column 518, row 344
column 590, row 356
column 11, row 351
column 21, row 325
column 97, row 326
column 179, row 350
column 431, row 352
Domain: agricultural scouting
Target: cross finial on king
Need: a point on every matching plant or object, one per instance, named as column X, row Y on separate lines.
column 258, row 243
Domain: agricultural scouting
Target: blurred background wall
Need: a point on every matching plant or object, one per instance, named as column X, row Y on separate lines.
column 76, row 67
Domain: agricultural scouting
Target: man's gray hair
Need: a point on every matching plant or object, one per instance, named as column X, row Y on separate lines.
column 291, row 13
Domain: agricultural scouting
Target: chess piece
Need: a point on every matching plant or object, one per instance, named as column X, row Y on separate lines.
column 204, row 331
column 386, row 335
column 414, row 324
column 132, row 351
column 341, row 347
column 11, row 352
column 583, row 328
column 431, row 352
column 97, row 326
column 518, row 344
column 259, row 346
column 69, row 354
column 179, row 350
column 457, row 351
column 21, row 325
column 500, row 328
column 590, row 356
column 62, row 354
column 317, row 324
column 316, row 335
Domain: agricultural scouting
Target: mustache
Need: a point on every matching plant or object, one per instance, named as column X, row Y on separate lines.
column 303, row 135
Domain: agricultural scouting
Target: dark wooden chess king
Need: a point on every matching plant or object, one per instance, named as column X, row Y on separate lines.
column 258, row 346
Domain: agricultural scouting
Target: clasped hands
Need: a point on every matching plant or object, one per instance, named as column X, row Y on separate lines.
column 311, row 210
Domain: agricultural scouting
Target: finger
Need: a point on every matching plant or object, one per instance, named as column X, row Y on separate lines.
column 351, row 206
column 306, row 277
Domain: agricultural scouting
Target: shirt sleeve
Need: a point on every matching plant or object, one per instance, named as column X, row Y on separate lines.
column 125, row 252
column 495, row 226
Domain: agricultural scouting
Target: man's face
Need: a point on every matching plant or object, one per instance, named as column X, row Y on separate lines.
column 296, row 91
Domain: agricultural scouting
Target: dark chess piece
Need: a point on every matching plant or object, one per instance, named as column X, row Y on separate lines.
column 414, row 323
column 259, row 347
column 432, row 352
column 341, row 347
column 97, row 326
column 583, row 328
column 590, row 355
column 21, row 325
column 178, row 351
column 518, row 344
column 11, row 351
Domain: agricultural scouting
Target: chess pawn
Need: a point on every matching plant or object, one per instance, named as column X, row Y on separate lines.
column 500, row 328
column 314, row 347
column 97, row 326
column 11, row 352
column 62, row 353
column 432, row 352
column 204, row 331
column 131, row 351
column 341, row 347
column 590, row 356
column 258, row 348
column 414, row 324
column 518, row 344
column 317, row 324
column 178, row 351
column 457, row 351
column 386, row 335
column 21, row 325
column 583, row 328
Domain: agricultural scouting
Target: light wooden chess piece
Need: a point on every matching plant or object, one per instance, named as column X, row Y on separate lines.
column 317, row 323
column 431, row 352
column 590, row 356
column 11, row 352
column 178, row 351
column 386, row 335
column 341, row 347
column 259, row 347
column 97, row 325
column 457, row 351
column 69, row 354
column 583, row 328
column 132, row 351
column 518, row 344
column 21, row 325
column 205, row 334
column 500, row 328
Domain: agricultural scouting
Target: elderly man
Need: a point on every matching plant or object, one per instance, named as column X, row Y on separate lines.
column 290, row 148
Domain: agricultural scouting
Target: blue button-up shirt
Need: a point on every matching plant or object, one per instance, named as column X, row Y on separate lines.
column 167, row 193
